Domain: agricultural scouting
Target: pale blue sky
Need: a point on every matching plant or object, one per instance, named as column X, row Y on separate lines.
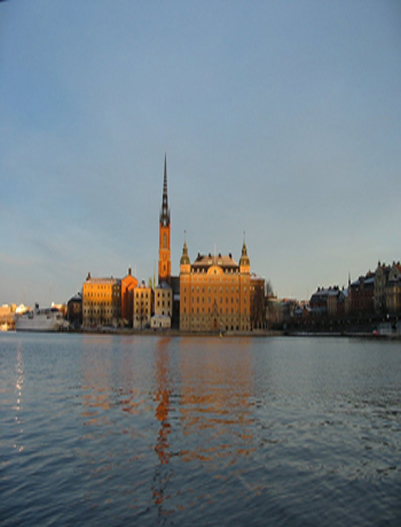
column 280, row 119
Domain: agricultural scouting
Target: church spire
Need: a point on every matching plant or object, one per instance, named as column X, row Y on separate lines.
column 165, row 211
column 164, row 234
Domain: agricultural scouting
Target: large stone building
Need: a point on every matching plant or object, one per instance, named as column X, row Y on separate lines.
column 215, row 293
column 101, row 301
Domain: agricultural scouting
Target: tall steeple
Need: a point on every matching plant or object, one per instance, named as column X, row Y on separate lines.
column 164, row 234
column 165, row 212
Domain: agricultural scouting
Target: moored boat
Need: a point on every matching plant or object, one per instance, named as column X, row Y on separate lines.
column 47, row 319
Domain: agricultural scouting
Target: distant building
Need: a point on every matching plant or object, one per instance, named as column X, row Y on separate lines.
column 128, row 284
column 142, row 308
column 379, row 289
column 74, row 310
column 393, row 290
column 325, row 302
column 101, row 301
column 258, row 302
column 160, row 322
column 274, row 312
column 361, row 295
column 289, row 308
column 163, row 295
column 7, row 316
column 163, row 306
column 318, row 302
column 175, row 285
column 215, row 293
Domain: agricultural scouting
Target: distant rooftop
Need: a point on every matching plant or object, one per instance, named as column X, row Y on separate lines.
column 163, row 285
column 108, row 281
column 206, row 261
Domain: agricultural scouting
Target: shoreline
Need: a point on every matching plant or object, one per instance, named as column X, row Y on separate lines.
column 250, row 334
column 229, row 334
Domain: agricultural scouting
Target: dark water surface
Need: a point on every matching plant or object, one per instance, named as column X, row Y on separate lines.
column 128, row 430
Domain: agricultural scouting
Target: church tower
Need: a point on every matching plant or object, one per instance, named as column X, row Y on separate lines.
column 164, row 234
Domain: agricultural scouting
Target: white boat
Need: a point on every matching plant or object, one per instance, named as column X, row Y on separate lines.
column 48, row 319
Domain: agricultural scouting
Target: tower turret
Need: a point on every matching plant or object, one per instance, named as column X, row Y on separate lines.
column 244, row 262
column 185, row 262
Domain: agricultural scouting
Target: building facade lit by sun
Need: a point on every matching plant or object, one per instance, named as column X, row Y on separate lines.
column 101, row 301
column 215, row 293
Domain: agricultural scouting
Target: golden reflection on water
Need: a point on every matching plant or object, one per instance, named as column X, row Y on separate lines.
column 216, row 391
column 210, row 382
column 96, row 371
column 19, row 384
column 163, row 474
column 213, row 393
column 162, row 397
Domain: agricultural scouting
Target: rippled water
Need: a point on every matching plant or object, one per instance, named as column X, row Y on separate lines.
column 118, row 430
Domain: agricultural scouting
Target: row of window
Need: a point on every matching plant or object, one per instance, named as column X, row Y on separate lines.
column 97, row 294
column 203, row 270
column 221, row 279
column 100, row 304
column 205, row 325
column 142, row 295
column 211, row 310
column 201, row 299
column 100, row 312
column 209, row 289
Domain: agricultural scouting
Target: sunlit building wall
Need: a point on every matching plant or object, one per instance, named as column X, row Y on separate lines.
column 128, row 284
column 215, row 293
column 142, row 307
column 101, row 301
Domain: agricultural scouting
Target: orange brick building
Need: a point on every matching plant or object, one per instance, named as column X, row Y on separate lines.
column 215, row 293
column 128, row 284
